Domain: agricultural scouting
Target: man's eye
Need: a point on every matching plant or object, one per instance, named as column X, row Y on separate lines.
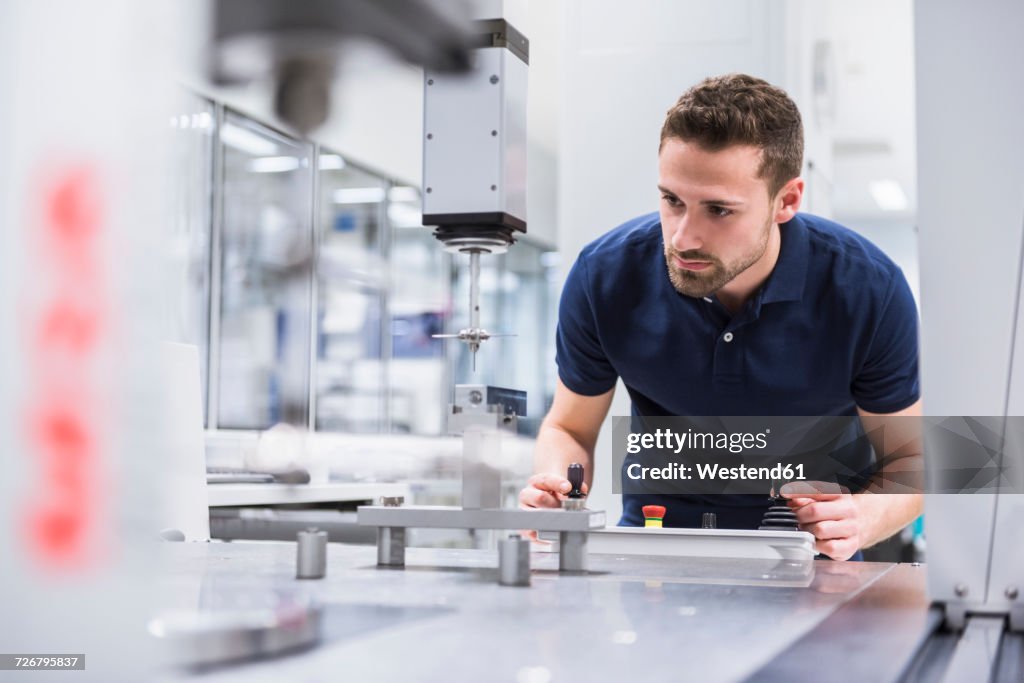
column 670, row 200
column 720, row 211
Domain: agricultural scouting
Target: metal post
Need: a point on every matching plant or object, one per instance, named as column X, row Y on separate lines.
column 311, row 557
column 481, row 482
column 390, row 546
column 572, row 551
column 474, row 290
column 514, row 562
column 216, row 247
column 314, row 291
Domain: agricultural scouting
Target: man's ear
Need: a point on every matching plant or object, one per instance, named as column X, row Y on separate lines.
column 787, row 201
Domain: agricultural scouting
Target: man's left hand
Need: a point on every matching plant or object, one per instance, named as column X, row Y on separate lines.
column 833, row 516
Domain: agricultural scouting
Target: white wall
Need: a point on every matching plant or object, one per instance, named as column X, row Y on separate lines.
column 624, row 66
column 542, row 25
column 810, row 79
column 850, row 68
column 874, row 123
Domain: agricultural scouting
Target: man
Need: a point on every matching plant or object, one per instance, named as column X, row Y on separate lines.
column 729, row 302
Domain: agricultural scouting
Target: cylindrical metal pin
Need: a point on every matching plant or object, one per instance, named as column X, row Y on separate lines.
column 390, row 546
column 311, row 560
column 514, row 561
column 572, row 551
column 709, row 520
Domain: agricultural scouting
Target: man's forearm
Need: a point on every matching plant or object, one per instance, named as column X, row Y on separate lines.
column 898, row 440
column 557, row 449
column 887, row 514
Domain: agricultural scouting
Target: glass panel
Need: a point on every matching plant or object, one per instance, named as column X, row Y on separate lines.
column 420, row 305
column 190, row 193
column 350, row 371
column 266, row 277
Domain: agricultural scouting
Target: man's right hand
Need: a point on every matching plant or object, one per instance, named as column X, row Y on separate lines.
column 567, row 435
column 546, row 491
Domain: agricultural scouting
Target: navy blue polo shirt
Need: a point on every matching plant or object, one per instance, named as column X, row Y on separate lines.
column 833, row 327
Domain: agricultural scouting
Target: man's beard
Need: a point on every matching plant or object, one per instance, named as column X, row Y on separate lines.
column 700, row 283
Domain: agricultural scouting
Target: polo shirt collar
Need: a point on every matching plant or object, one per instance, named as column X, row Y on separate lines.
column 787, row 279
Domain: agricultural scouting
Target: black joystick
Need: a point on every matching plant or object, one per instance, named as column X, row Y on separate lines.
column 575, row 477
column 779, row 517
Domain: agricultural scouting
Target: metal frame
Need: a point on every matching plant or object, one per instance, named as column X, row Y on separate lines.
column 214, row 290
column 210, row 208
column 850, row 634
column 791, row 546
column 385, row 234
column 392, row 522
column 314, row 291
column 209, row 205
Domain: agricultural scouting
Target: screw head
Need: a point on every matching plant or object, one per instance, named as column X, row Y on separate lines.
column 430, row 81
column 494, row 80
column 960, row 589
column 429, row 190
column 1011, row 592
column 430, row 136
column 493, row 188
column 494, row 133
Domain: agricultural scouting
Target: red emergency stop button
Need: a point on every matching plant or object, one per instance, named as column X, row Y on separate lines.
column 653, row 515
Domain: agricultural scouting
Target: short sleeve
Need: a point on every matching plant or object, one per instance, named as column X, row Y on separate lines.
column 888, row 380
column 582, row 363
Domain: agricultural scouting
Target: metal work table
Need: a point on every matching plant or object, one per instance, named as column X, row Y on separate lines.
column 629, row 618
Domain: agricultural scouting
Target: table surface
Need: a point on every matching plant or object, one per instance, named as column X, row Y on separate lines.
column 630, row 618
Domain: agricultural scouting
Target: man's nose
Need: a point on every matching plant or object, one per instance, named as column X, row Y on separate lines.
column 684, row 236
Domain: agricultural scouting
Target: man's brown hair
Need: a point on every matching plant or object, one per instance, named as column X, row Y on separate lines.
column 737, row 109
